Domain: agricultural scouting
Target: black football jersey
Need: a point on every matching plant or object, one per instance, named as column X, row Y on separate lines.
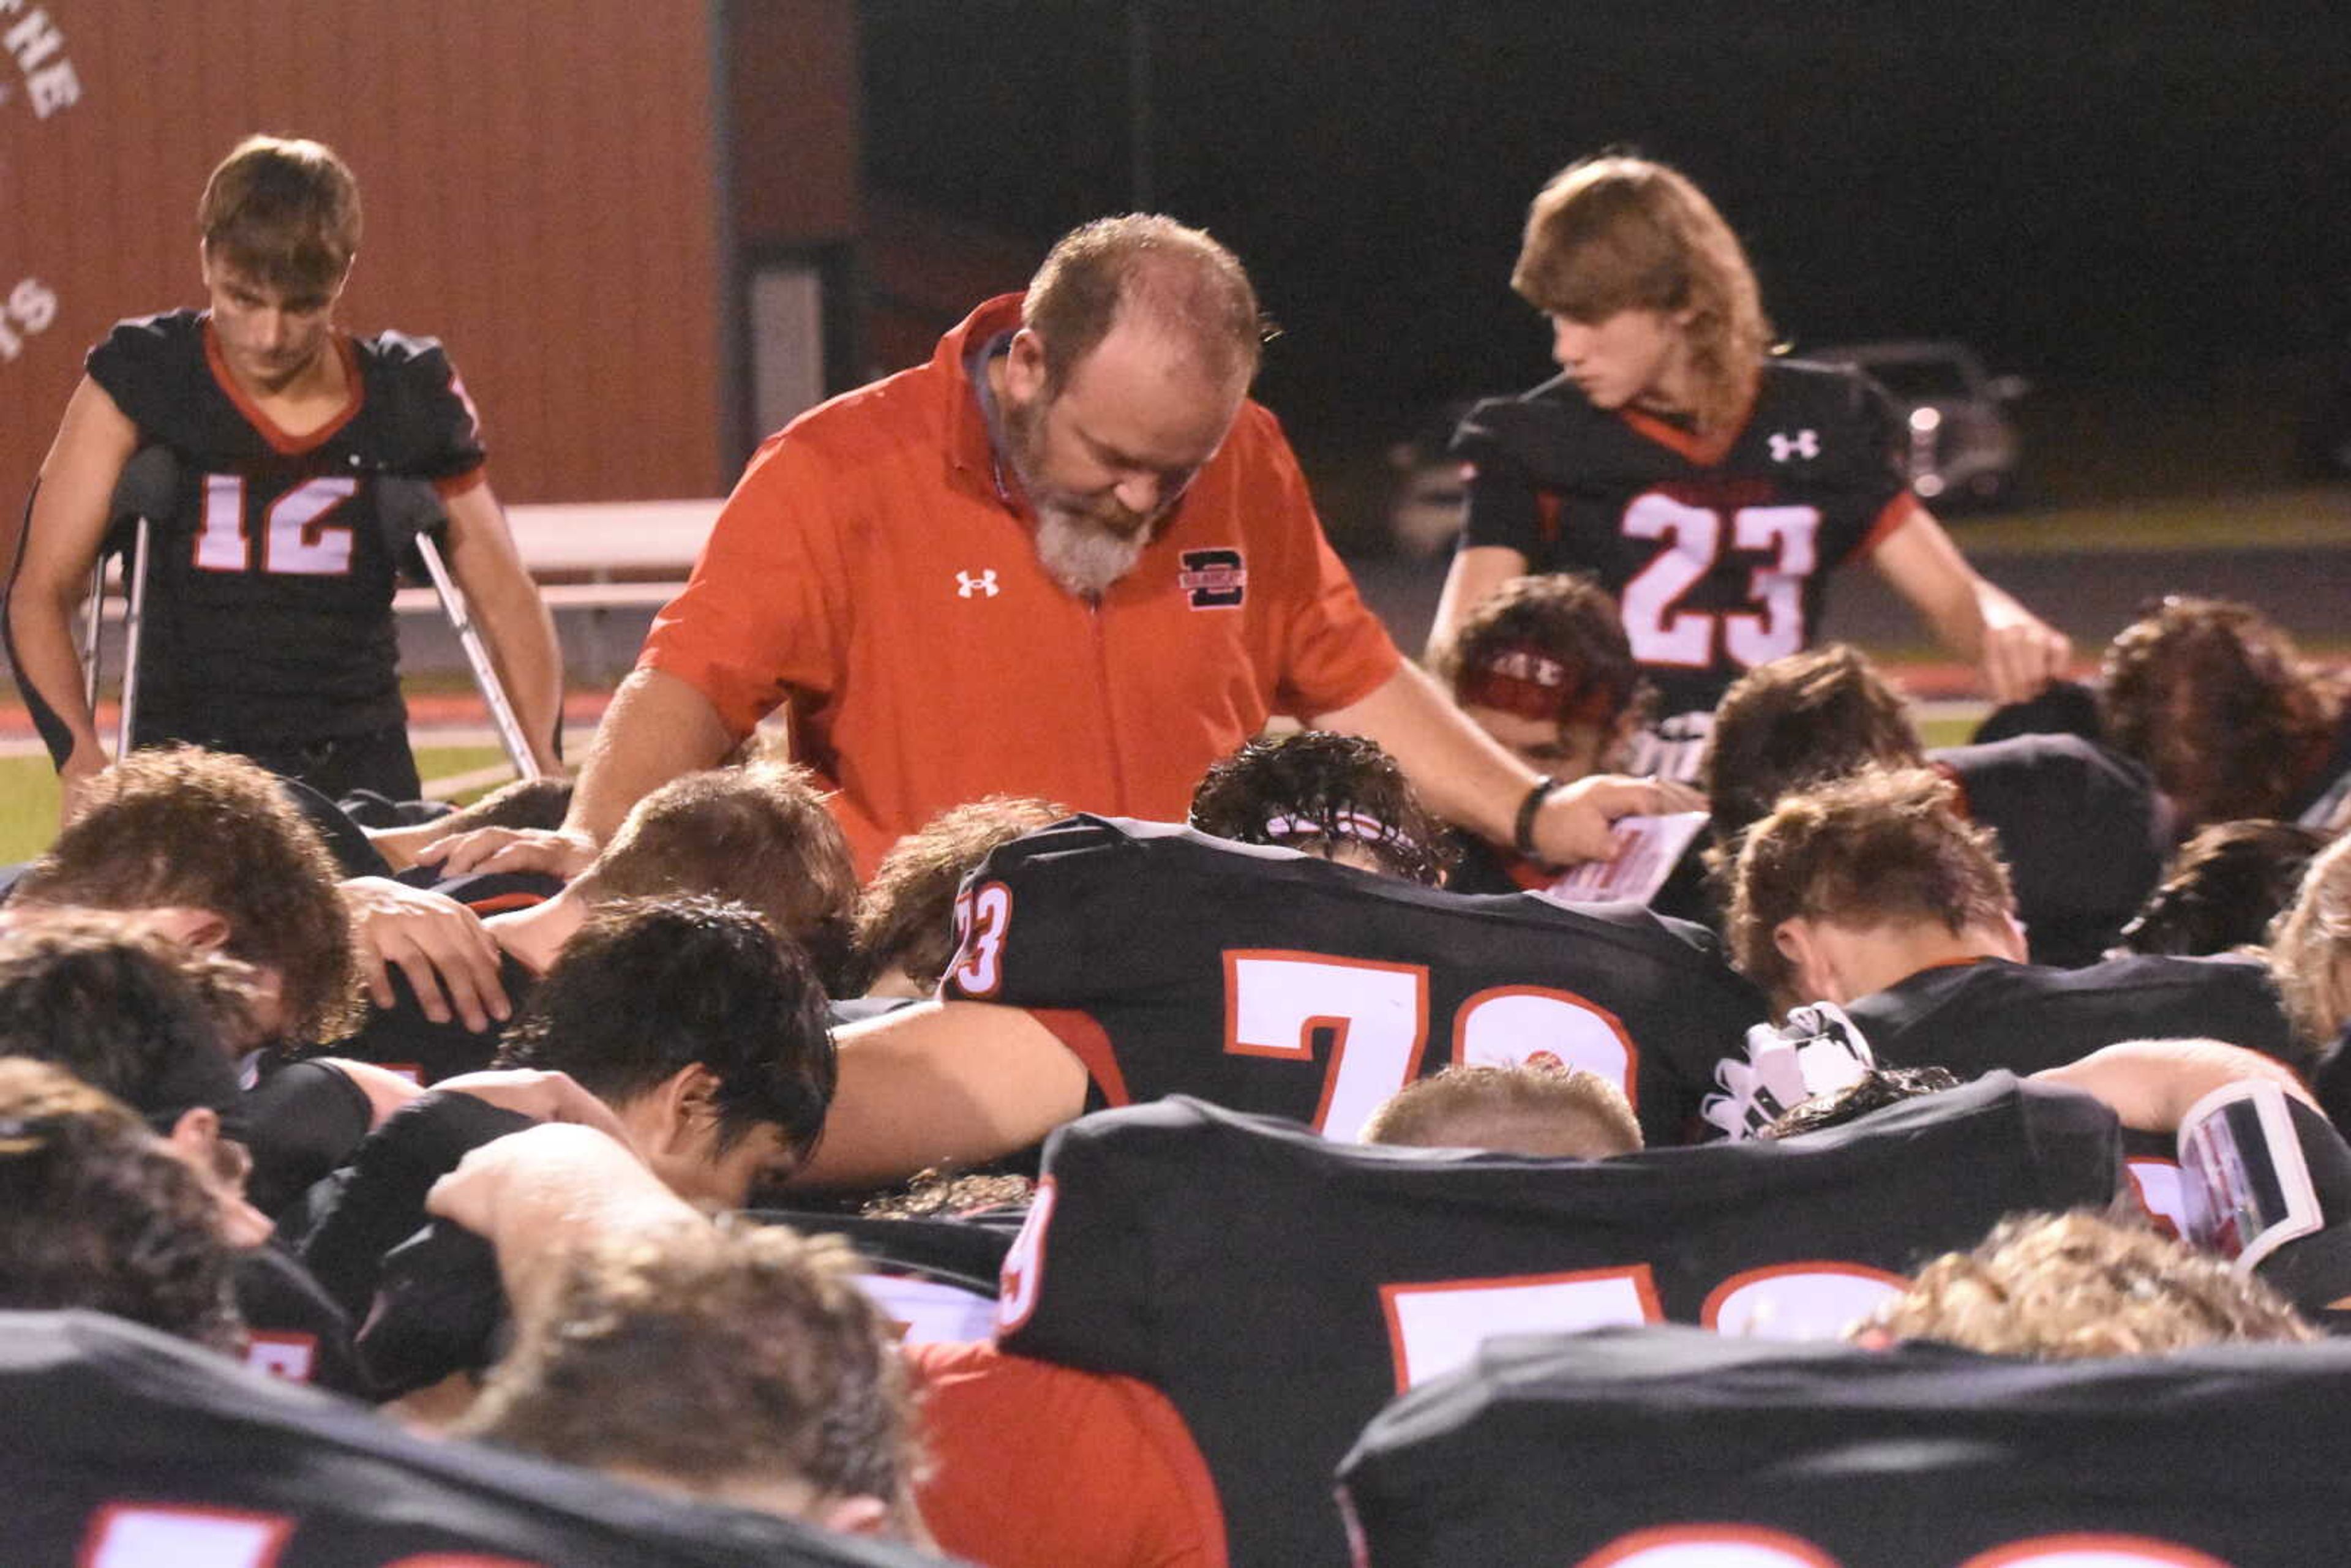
column 293, row 1330
column 124, row 1447
column 2083, row 831
column 269, row 593
column 1279, row 1288
column 402, row 1038
column 1716, row 550
column 1972, row 1018
column 1262, row 979
column 1665, row 1449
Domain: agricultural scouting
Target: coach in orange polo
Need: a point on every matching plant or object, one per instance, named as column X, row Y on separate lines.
column 1068, row 558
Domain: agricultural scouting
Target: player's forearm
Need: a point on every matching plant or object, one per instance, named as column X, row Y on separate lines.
column 657, row 728
column 1922, row 564
column 49, row 668
column 2151, row 1084
column 942, row 1084
column 1462, row 774
column 529, row 663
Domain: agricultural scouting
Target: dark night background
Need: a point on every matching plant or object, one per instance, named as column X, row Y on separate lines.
column 2140, row 201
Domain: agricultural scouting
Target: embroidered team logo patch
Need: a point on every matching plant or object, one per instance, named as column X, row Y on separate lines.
column 1215, row 579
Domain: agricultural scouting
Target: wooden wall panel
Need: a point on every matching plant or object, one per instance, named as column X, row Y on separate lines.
column 793, row 98
column 539, row 185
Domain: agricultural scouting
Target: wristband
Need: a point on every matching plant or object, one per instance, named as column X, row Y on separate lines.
column 1522, row 831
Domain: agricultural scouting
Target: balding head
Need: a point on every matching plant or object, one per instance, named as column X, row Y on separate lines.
column 1151, row 274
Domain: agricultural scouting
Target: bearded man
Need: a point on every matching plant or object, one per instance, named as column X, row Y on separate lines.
column 1066, row 558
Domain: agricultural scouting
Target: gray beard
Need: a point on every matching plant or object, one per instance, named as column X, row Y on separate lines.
column 1081, row 555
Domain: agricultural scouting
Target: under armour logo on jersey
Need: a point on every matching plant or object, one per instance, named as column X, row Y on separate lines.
column 983, row 584
column 1804, row 444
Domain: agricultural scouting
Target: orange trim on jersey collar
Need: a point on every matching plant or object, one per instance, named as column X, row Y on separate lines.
column 281, row 442
column 1706, row 450
column 1951, row 776
column 1967, row 963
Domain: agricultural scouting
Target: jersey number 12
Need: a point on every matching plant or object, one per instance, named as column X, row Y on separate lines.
column 295, row 539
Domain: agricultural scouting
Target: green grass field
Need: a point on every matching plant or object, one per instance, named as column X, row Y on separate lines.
column 28, row 793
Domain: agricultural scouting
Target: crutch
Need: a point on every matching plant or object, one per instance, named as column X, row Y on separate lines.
column 149, row 489
column 412, row 518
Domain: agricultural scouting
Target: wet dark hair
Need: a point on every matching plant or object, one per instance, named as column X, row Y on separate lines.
column 2223, row 889
column 1883, row 844
column 95, row 1213
column 2216, row 700
column 1797, row 721
column 650, row 987
column 1315, row 791
column 124, row 1010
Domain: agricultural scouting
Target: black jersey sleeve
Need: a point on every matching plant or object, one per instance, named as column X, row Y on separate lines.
column 1078, row 1284
column 1030, row 916
column 434, row 431
column 1878, row 431
column 1502, row 505
column 154, row 368
column 125, row 1447
column 296, row 1332
column 2314, row 1272
column 1687, row 1449
column 2244, row 1006
column 303, row 1121
column 378, row 1200
column 2080, row 828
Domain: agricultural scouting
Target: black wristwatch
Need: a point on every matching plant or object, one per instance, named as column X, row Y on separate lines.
column 1522, row 831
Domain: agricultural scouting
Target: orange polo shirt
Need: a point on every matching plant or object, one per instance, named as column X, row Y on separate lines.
column 870, row 570
column 1034, row 1465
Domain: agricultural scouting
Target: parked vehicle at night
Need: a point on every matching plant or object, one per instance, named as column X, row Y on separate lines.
column 1963, row 449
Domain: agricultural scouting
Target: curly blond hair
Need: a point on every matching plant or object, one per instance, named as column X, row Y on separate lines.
column 2310, row 950
column 2055, row 1287
column 708, row 1355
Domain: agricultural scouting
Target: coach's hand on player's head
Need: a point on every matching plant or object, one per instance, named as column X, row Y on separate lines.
column 2022, row 652
column 559, row 852
column 451, row 961
column 1572, row 825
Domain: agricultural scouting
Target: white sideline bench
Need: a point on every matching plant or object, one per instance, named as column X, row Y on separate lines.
column 584, row 555
column 598, row 539
column 599, row 555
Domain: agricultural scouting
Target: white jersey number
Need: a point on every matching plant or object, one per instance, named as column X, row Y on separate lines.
column 1377, row 1017
column 1661, row 632
column 1742, row 1546
column 296, row 541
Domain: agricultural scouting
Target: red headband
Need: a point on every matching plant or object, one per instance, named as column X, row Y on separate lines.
column 1523, row 679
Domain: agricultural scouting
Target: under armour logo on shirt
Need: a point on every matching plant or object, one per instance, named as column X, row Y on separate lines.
column 983, row 584
column 1804, row 444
